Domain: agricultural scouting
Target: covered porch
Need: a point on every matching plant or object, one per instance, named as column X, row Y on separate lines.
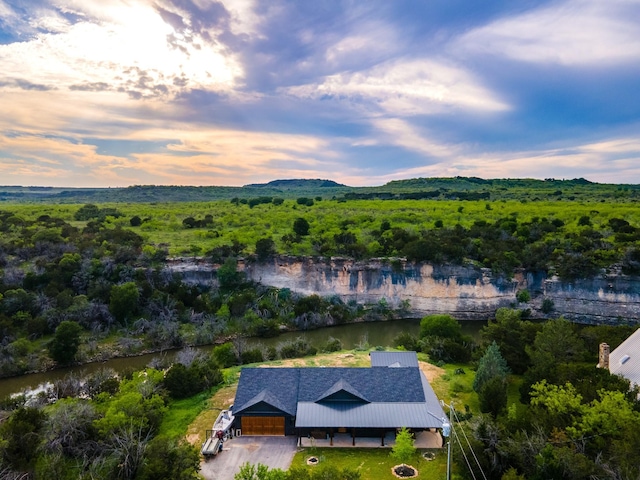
column 386, row 439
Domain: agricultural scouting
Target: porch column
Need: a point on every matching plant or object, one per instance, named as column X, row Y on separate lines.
column 353, row 437
column 331, row 437
column 382, row 439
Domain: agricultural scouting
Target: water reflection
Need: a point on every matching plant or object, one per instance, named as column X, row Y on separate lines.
column 374, row 334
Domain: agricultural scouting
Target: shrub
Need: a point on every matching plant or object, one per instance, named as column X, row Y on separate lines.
column 224, row 355
column 297, row 348
column 406, row 340
column 301, row 227
column 523, row 296
column 253, row 355
column 332, row 345
column 547, row 306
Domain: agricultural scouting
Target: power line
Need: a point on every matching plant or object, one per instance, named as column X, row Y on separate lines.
column 470, row 448
column 454, row 434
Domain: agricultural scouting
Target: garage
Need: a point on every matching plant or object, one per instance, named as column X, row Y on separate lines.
column 262, row 425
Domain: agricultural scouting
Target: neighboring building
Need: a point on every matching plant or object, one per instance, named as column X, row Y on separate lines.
column 321, row 402
column 625, row 360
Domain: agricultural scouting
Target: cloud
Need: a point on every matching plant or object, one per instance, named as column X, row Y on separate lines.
column 408, row 88
column 197, row 157
column 403, row 134
column 126, row 46
column 571, row 33
column 241, row 91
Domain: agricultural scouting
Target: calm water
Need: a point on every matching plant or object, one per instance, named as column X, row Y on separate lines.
column 376, row 333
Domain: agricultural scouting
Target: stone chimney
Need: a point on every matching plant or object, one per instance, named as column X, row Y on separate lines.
column 603, row 358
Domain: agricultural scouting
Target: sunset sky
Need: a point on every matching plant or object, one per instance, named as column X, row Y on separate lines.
column 99, row 93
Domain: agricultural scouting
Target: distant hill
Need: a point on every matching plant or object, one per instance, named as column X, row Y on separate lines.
column 297, row 183
column 434, row 188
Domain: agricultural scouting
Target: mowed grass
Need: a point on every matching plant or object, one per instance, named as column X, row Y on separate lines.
column 373, row 463
column 457, row 387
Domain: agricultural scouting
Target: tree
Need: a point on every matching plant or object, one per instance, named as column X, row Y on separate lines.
column 87, row 212
column 169, row 459
column 512, row 335
column 490, row 366
column 20, row 438
column 491, row 381
column 228, row 275
column 556, row 343
column 493, row 395
column 65, row 343
column 404, row 450
column 301, row 227
column 123, row 301
column 135, row 221
column 182, row 382
column 265, row 247
column 444, row 326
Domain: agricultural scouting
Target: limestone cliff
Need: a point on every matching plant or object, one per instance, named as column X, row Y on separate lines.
column 466, row 293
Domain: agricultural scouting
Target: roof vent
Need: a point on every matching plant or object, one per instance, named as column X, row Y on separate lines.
column 624, row 359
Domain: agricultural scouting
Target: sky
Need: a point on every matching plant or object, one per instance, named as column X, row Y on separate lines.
column 111, row 93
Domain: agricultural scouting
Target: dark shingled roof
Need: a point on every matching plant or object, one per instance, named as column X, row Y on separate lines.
column 280, row 384
column 342, row 386
column 373, row 384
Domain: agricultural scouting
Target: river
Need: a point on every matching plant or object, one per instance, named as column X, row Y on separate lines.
column 351, row 335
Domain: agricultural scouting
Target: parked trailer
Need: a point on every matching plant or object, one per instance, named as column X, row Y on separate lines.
column 212, row 445
column 220, row 432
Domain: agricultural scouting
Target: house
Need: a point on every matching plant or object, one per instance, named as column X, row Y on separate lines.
column 624, row 360
column 322, row 402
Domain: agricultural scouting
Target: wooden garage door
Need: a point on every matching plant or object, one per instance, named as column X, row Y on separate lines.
column 262, row 425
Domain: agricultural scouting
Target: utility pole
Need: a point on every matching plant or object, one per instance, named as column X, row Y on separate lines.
column 449, row 446
column 447, row 433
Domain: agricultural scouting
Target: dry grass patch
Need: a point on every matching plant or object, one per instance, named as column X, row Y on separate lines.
column 431, row 371
column 204, row 421
column 347, row 359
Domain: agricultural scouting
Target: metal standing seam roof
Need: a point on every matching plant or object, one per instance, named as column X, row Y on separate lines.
column 393, row 359
column 625, row 360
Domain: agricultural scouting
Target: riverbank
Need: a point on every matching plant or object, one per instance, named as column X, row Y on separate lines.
column 350, row 335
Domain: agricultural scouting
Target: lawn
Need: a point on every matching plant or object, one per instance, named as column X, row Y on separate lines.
column 373, row 463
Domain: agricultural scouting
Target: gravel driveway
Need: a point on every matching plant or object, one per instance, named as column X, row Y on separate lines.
column 275, row 452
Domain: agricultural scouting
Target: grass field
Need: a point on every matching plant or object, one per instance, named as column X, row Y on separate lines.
column 162, row 222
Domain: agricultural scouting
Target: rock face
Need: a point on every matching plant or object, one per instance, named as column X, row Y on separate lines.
column 467, row 293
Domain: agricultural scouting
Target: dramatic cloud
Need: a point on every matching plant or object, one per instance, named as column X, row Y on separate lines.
column 121, row 92
column 574, row 32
